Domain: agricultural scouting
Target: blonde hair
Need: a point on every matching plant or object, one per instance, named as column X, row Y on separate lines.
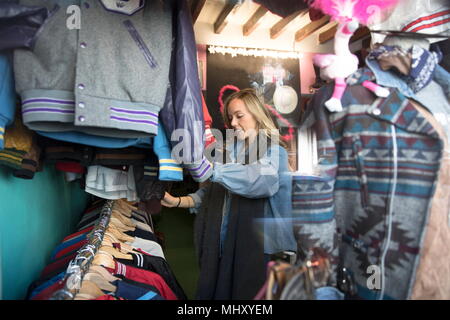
column 257, row 109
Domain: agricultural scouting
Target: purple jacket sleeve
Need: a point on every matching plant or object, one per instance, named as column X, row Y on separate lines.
column 182, row 115
column 19, row 24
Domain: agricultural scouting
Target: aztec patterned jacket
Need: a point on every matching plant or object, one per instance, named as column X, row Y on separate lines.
column 378, row 161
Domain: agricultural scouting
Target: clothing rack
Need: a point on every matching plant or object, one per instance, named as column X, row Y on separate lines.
column 80, row 264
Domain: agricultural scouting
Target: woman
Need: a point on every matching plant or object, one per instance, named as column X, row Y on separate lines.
column 244, row 212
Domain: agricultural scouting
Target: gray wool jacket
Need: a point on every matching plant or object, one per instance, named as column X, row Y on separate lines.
column 108, row 77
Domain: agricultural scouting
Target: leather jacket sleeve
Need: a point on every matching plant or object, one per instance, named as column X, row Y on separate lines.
column 183, row 104
column 19, row 24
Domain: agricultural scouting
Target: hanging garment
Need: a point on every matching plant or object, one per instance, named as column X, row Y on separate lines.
column 58, row 97
column 30, row 162
column 378, row 164
column 209, row 137
column 183, row 104
column 150, row 247
column 148, row 185
column 169, row 168
column 432, row 280
column 7, row 96
column 133, row 290
column 239, row 272
column 109, row 183
column 18, row 142
column 144, row 276
column 283, row 8
column 23, row 22
column 155, row 264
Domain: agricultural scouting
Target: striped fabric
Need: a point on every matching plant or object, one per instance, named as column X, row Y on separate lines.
column 427, row 23
column 12, row 158
column 169, row 164
column 48, row 109
column 364, row 186
column 137, row 118
column 200, row 172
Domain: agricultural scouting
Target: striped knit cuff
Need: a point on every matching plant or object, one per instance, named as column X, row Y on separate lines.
column 2, row 138
column 27, row 170
column 150, row 172
column 202, row 171
column 170, row 170
column 3, row 124
column 12, row 158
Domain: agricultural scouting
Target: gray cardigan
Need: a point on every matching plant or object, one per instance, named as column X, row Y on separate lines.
column 108, row 78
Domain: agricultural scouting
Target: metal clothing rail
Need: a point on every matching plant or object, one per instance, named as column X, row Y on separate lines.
column 80, row 264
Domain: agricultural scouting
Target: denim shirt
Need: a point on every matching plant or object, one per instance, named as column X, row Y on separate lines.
column 435, row 96
column 269, row 178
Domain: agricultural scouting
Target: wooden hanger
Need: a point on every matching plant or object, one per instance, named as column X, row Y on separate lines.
column 104, row 259
column 126, row 206
column 89, row 288
column 119, row 235
column 109, row 240
column 103, row 272
column 124, row 219
column 116, row 253
column 120, row 226
column 121, row 210
column 101, row 282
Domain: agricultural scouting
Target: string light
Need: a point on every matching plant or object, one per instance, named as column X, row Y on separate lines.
column 255, row 52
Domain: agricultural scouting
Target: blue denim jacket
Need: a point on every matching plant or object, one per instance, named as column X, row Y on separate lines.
column 267, row 178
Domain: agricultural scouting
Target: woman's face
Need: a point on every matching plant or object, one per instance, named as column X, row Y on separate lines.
column 241, row 119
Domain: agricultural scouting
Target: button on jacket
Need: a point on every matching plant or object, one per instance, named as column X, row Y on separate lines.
column 107, row 78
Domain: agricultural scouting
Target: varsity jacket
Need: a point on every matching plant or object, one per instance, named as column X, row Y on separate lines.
column 369, row 207
column 106, row 75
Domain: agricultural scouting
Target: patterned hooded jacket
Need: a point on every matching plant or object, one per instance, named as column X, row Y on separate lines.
column 378, row 161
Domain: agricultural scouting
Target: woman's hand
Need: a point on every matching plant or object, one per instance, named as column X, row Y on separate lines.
column 169, row 200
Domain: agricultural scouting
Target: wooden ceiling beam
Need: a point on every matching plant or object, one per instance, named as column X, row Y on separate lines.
column 196, row 8
column 281, row 25
column 359, row 34
column 311, row 28
column 327, row 34
column 254, row 20
column 221, row 20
